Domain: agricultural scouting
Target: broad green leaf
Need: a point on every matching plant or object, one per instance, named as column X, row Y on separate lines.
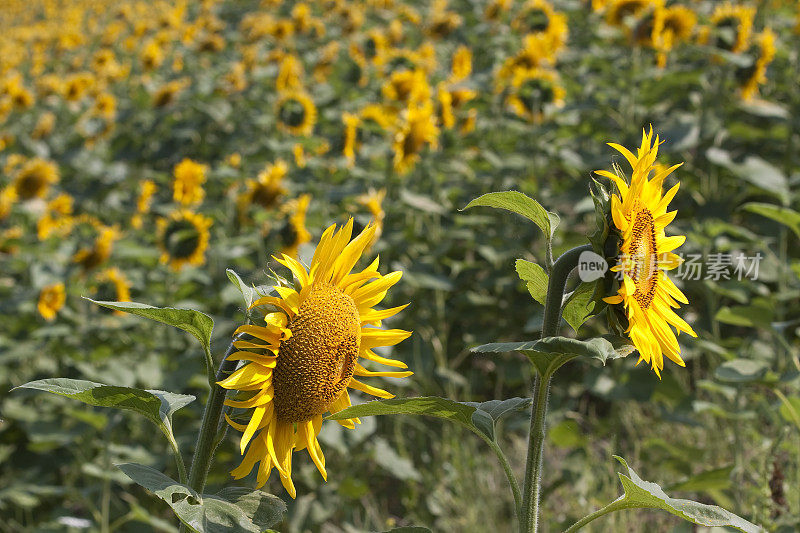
column 579, row 305
column 233, row 509
column 248, row 293
column 647, row 495
column 550, row 353
column 566, row 434
column 479, row 418
column 741, row 371
column 198, row 324
column 749, row 316
column 520, row 204
column 782, row 215
column 157, row 406
column 535, row 277
column 716, row 479
column 754, row 170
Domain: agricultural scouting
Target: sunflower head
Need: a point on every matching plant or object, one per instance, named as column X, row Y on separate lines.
column 293, row 233
column 644, row 253
column 761, row 55
column 34, row 178
column 183, row 238
column 113, row 285
column 296, row 113
column 731, row 26
column 305, row 354
column 534, row 91
column 51, row 300
column 188, row 184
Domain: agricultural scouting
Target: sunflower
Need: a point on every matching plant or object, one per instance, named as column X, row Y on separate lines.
column 188, row 185
column 294, row 233
column 89, row 258
column 534, row 91
column 290, row 74
column 146, row 191
column 539, row 18
column 418, row 128
column 373, row 201
column 304, row 357
column 620, row 12
column 8, row 196
column 57, row 218
column 51, row 300
column 183, row 238
column 267, row 188
column 537, row 51
column 461, row 66
column 114, row 286
column 34, row 178
column 756, row 74
column 44, row 126
column 495, row 9
column 671, row 25
column 406, row 86
column 296, row 113
column 647, row 295
column 351, row 123
column 732, row 25
column 442, row 22
column 167, row 93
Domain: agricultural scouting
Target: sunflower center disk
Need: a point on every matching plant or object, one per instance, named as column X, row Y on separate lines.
column 643, row 255
column 316, row 363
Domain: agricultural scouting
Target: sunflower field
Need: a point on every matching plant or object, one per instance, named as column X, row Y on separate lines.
column 399, row 265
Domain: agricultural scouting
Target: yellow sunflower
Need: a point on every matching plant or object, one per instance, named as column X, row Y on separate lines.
column 621, row 12
column 373, row 201
column 146, row 191
column 406, row 86
column 8, row 196
column 732, row 25
column 57, row 217
column 113, row 286
column 646, row 293
column 534, row 91
column 304, row 357
column 183, row 238
column 671, row 25
column 538, row 17
column 294, row 232
column 751, row 77
column 297, row 113
column 351, row 123
column 461, row 66
column 266, row 189
column 91, row 257
column 34, row 178
column 418, row 128
column 188, row 185
column 51, row 300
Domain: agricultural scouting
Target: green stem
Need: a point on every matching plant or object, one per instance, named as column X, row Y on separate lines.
column 204, row 451
column 512, row 480
column 616, row 505
column 178, row 457
column 529, row 519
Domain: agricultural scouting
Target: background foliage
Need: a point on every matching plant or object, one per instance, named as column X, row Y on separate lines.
column 97, row 97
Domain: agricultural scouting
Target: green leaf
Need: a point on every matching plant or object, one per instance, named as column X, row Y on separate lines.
column 198, row 324
column 783, row 215
column 479, row 418
column 520, row 204
column 741, row 371
column 754, row 170
column 646, row 495
column 579, row 305
column 550, row 353
column 716, row 479
column 233, row 509
column 157, row 406
column 248, row 293
column 535, row 277
column 790, row 409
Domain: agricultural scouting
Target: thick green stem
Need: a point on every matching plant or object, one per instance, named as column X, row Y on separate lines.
column 206, row 439
column 529, row 519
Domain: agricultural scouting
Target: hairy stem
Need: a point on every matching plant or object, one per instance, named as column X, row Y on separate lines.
column 529, row 519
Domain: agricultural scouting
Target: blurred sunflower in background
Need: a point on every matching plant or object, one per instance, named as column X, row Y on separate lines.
column 91, row 257
column 147, row 189
column 418, row 128
column 731, row 27
column 34, row 179
column 533, row 92
column 297, row 113
column 294, row 233
column 187, row 186
column 538, row 17
column 646, row 293
column 671, row 25
column 763, row 52
column 304, row 357
column 183, row 238
column 112, row 286
column 51, row 300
